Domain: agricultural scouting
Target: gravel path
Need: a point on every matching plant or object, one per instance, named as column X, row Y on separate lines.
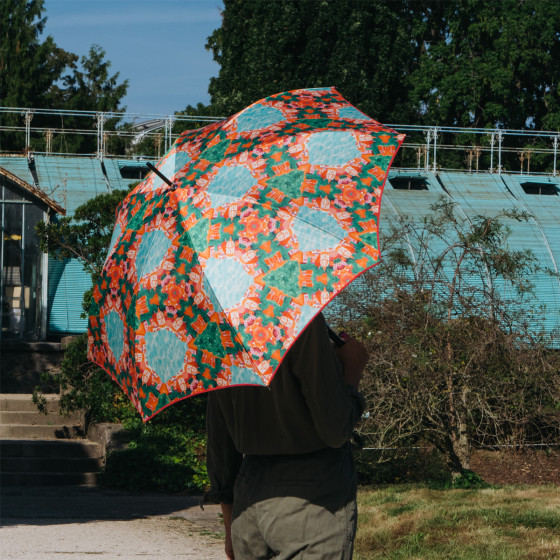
column 81, row 523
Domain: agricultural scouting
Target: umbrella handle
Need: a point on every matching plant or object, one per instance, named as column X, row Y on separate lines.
column 338, row 341
column 159, row 173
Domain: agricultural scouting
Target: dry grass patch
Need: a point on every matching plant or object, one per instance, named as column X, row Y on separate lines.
column 418, row 523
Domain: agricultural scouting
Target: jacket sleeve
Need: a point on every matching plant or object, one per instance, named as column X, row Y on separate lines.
column 335, row 406
column 222, row 458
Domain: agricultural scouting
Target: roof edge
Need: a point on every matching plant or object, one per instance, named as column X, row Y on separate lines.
column 33, row 190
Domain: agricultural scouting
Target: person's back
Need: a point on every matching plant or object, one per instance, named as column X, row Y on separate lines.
column 296, row 488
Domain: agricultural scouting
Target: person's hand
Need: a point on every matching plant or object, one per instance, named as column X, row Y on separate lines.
column 353, row 357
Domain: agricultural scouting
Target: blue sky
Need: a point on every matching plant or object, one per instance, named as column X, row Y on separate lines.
column 158, row 45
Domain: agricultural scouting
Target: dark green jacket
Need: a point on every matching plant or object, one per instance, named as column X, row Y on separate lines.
column 307, row 407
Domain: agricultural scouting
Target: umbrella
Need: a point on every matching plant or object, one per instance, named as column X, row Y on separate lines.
column 268, row 215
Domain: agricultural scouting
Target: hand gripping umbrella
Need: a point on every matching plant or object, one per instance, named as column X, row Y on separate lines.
column 269, row 215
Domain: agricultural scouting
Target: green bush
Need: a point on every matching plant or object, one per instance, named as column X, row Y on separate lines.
column 165, row 454
column 401, row 466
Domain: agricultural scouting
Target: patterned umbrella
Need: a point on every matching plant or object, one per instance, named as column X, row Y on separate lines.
column 209, row 281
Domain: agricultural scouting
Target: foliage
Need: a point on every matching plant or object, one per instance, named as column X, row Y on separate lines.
column 492, row 63
column 85, row 387
column 453, row 358
column 89, row 88
column 38, row 74
column 28, row 67
column 85, row 235
column 363, row 48
column 453, row 63
column 409, row 464
column 165, row 454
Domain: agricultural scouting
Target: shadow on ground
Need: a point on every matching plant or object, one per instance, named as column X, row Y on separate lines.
column 40, row 505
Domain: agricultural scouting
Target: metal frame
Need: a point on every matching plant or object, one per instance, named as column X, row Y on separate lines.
column 433, row 148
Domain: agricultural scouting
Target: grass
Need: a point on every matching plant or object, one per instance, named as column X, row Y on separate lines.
column 415, row 522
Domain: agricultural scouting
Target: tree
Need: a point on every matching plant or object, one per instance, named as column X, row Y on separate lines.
column 28, row 67
column 89, row 88
column 364, row 49
column 492, row 64
column 35, row 74
column 455, row 63
column 455, row 362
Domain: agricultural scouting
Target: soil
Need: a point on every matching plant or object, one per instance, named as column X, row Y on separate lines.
column 529, row 466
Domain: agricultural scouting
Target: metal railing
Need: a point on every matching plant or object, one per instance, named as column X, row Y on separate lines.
column 426, row 148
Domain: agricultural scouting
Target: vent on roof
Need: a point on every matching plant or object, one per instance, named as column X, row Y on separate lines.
column 540, row 188
column 133, row 172
column 409, row 183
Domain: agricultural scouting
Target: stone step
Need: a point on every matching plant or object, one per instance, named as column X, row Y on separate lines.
column 48, row 479
column 26, row 431
column 64, row 449
column 24, row 403
column 37, row 418
column 50, row 464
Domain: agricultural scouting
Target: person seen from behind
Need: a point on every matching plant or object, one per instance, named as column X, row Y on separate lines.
column 279, row 457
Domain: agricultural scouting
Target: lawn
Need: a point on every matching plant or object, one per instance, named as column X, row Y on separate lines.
column 414, row 522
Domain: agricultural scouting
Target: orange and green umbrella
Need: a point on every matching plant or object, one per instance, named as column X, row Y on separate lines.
column 269, row 215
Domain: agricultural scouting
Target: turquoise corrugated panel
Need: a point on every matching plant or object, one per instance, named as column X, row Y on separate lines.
column 18, row 166
column 79, row 178
column 68, row 281
column 488, row 194
column 399, row 202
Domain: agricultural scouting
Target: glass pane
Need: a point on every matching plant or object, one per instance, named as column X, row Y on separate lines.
column 32, row 273
column 11, row 192
column 11, row 270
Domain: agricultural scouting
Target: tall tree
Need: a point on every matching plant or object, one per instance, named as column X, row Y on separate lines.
column 28, row 67
column 466, row 63
column 38, row 74
column 90, row 87
column 362, row 48
column 492, row 64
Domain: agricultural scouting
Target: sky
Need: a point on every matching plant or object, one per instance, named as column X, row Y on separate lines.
column 158, row 45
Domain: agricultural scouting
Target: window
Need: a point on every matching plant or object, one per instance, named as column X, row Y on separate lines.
column 540, row 188
column 409, row 183
column 21, row 265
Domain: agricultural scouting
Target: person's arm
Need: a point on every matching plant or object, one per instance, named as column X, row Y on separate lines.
column 329, row 381
column 227, row 510
column 223, row 462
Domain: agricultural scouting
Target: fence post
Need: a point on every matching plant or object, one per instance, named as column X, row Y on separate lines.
column 492, row 141
column 435, row 131
column 500, row 136
column 168, row 133
column 555, row 144
column 428, row 138
column 27, row 117
column 100, row 117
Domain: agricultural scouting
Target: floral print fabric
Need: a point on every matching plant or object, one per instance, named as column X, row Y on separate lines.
column 272, row 213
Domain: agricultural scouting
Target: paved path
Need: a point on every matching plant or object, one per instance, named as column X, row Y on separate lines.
column 82, row 523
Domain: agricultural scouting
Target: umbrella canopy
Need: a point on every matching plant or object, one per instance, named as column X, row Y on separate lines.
column 209, row 281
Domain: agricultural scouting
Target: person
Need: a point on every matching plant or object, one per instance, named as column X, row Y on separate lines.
column 279, row 458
